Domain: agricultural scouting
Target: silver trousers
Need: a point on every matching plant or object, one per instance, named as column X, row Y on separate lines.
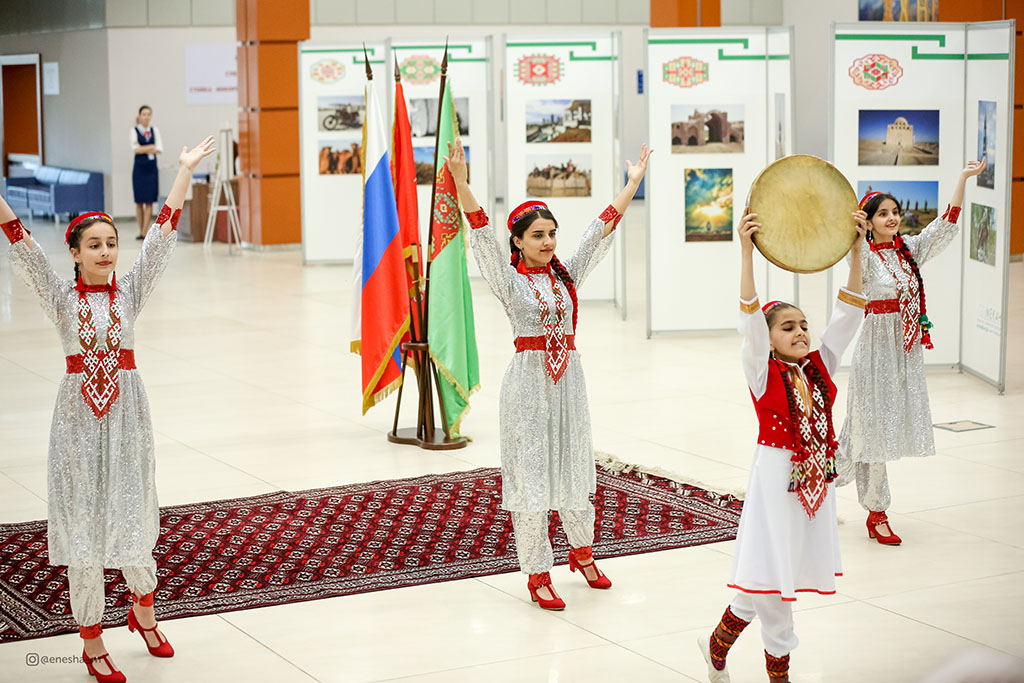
column 85, row 584
column 776, row 620
column 533, row 545
column 872, row 486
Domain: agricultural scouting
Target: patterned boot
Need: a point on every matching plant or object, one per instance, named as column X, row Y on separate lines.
column 778, row 668
column 717, row 646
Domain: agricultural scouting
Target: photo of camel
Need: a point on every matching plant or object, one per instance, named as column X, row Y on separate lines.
column 340, row 157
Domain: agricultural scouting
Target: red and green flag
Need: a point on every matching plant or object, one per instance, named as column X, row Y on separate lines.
column 403, row 170
column 452, row 332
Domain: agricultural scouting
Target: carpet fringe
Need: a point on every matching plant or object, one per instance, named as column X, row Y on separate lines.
column 609, row 462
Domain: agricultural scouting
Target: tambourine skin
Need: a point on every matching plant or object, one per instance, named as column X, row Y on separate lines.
column 804, row 205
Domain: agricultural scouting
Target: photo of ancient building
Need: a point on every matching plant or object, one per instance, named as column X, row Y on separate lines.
column 707, row 130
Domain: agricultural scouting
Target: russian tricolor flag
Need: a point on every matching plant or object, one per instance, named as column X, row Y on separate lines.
column 380, row 311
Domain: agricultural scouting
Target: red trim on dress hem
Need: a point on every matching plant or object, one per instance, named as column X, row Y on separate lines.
column 784, row 599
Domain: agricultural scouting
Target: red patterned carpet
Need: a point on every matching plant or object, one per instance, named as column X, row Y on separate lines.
column 292, row 546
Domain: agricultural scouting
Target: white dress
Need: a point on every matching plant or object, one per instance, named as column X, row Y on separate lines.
column 102, row 504
column 547, row 454
column 779, row 550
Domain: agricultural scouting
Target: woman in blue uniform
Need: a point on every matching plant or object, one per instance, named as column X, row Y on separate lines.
column 146, row 144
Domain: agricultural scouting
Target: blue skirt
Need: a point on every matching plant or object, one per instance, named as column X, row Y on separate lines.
column 145, row 180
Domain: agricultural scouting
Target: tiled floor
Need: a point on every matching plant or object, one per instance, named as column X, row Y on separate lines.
column 246, row 364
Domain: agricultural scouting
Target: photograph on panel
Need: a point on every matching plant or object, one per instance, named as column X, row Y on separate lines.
column 987, row 142
column 558, row 121
column 708, row 194
column 423, row 116
column 340, row 112
column 340, row 157
column 898, row 10
column 559, row 175
column 983, row 234
column 918, row 200
column 710, row 129
column 898, row 137
column 423, row 157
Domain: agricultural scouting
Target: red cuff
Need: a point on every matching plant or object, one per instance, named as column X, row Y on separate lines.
column 174, row 219
column 14, row 230
column 477, row 219
column 165, row 215
column 610, row 215
column 952, row 214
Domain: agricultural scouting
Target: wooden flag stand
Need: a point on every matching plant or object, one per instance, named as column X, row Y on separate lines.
column 425, row 434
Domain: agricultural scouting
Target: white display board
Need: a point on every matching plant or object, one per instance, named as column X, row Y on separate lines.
column 904, row 121
column 332, row 82
column 988, row 115
column 469, row 73
column 719, row 111
column 561, row 111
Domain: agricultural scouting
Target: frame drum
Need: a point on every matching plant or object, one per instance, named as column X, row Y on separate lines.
column 803, row 204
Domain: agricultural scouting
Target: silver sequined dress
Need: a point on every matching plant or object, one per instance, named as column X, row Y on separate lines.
column 547, row 455
column 887, row 412
column 102, row 504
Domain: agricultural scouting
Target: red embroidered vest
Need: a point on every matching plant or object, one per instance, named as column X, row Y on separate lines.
column 776, row 424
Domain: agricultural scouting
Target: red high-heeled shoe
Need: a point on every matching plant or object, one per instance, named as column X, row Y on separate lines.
column 540, row 580
column 583, row 559
column 878, row 518
column 115, row 676
column 164, row 649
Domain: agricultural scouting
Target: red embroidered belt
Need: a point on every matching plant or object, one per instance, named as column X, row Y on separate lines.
column 540, row 344
column 880, row 306
column 125, row 361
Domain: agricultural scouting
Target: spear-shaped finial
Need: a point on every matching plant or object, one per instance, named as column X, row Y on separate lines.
column 444, row 62
column 366, row 59
column 398, row 74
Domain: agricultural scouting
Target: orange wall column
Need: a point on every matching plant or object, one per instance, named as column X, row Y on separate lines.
column 269, row 191
column 669, row 13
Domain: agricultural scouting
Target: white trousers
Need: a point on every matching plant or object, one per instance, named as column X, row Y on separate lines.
column 776, row 620
column 533, row 545
column 85, row 584
column 872, row 486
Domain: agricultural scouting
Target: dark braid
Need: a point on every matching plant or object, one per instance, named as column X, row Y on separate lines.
column 564, row 276
column 870, row 208
column 926, row 337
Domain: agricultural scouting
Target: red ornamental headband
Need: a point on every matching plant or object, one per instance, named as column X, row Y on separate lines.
column 867, row 197
column 92, row 215
column 770, row 305
column 523, row 209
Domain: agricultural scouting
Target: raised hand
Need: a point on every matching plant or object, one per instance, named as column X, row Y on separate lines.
column 456, row 161
column 190, row 158
column 636, row 172
column 748, row 226
column 974, row 168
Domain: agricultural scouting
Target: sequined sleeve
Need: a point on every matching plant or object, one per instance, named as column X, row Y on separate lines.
column 493, row 262
column 149, row 266
column 756, row 346
column 30, row 263
column 932, row 240
column 841, row 329
column 592, row 248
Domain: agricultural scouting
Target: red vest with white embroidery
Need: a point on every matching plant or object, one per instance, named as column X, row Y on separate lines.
column 776, row 424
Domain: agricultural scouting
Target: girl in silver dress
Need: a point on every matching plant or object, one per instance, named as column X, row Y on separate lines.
column 887, row 413
column 547, row 456
column 101, row 492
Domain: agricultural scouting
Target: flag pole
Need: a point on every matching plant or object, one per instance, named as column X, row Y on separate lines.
column 424, row 435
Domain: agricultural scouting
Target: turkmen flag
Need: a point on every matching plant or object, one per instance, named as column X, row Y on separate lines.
column 451, row 332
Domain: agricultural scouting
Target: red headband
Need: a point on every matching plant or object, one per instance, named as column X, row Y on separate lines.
column 523, row 209
column 770, row 305
column 92, row 215
column 866, row 197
